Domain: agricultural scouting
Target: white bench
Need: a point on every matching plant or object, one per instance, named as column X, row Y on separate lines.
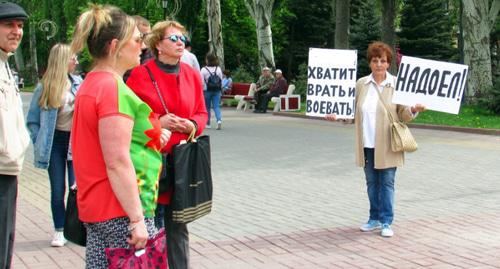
column 282, row 102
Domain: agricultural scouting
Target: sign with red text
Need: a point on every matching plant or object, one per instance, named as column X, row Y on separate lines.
column 436, row 85
column 331, row 82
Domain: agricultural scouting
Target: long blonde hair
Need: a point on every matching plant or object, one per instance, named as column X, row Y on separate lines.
column 55, row 81
column 98, row 26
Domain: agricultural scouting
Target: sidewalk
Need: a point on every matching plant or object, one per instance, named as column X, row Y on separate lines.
column 287, row 195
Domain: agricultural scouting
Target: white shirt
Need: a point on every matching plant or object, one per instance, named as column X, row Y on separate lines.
column 370, row 105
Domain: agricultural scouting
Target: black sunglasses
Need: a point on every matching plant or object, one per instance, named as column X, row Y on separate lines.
column 175, row 38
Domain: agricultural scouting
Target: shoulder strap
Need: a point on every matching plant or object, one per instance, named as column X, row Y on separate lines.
column 391, row 118
column 157, row 89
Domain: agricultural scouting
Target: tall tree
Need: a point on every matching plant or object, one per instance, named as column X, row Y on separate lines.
column 261, row 12
column 365, row 29
column 478, row 20
column 427, row 30
column 342, row 18
column 388, row 28
column 215, row 43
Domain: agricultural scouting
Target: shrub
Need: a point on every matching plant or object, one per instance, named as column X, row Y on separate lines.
column 490, row 99
column 241, row 74
column 300, row 81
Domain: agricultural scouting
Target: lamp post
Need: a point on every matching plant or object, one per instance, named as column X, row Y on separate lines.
column 164, row 6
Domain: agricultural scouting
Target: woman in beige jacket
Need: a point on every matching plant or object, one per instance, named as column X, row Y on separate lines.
column 373, row 145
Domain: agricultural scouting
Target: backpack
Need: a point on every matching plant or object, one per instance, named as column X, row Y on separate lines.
column 214, row 83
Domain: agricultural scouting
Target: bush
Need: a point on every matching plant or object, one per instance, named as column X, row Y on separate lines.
column 300, row 81
column 241, row 74
column 490, row 99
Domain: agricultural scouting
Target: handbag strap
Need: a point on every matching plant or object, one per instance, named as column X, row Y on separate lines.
column 391, row 118
column 155, row 84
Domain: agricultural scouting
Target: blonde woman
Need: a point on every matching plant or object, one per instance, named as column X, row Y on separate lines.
column 116, row 139
column 49, row 121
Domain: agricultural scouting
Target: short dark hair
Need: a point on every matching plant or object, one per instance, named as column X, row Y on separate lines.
column 212, row 60
column 378, row 49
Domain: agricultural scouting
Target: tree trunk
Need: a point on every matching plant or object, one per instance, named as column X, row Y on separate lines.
column 388, row 32
column 261, row 12
column 215, row 43
column 342, row 18
column 34, row 59
column 478, row 20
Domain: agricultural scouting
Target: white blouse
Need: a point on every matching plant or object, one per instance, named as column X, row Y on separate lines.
column 370, row 108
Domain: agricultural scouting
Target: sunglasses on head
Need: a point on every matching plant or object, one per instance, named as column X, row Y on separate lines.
column 175, row 38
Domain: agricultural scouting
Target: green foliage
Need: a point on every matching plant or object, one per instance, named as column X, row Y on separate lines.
column 469, row 116
column 426, row 30
column 241, row 74
column 490, row 99
column 365, row 28
column 300, row 81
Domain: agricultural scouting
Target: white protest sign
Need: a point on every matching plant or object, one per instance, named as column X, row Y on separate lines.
column 331, row 82
column 436, row 85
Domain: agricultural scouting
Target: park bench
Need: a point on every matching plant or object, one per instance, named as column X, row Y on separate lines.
column 285, row 102
column 236, row 89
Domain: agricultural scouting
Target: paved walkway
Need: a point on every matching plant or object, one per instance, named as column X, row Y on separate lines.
column 287, row 195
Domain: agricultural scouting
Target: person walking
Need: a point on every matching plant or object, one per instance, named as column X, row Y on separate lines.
column 212, row 87
column 173, row 89
column 14, row 138
column 115, row 137
column 49, row 122
column 373, row 146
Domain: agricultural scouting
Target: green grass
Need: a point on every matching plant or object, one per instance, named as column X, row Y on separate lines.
column 28, row 89
column 469, row 116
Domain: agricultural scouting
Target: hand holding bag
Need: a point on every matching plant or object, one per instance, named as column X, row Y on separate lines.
column 153, row 256
column 74, row 230
column 192, row 197
column 401, row 137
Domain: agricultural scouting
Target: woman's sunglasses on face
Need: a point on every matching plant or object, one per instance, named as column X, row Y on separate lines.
column 175, row 38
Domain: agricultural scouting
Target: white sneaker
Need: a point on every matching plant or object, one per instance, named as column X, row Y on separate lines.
column 58, row 240
column 208, row 126
column 386, row 230
column 219, row 125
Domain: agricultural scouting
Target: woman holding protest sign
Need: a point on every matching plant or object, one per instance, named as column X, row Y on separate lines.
column 373, row 142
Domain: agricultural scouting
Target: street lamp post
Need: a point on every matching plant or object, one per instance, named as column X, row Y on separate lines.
column 164, row 6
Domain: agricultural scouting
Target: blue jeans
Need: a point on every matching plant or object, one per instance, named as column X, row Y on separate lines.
column 380, row 188
column 213, row 98
column 57, row 175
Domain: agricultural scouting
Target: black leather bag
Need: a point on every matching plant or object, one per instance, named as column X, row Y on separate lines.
column 167, row 174
column 74, row 230
column 192, row 197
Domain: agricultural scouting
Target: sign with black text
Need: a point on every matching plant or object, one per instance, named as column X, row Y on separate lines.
column 437, row 85
column 331, row 82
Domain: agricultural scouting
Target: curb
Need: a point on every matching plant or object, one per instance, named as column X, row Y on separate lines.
column 494, row 132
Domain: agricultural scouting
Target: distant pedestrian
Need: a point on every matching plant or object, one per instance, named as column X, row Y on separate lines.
column 212, row 86
column 373, row 146
column 49, row 122
column 189, row 57
column 14, row 138
column 227, row 81
column 115, row 138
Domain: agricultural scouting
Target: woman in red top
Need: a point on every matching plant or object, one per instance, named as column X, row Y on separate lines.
column 179, row 98
column 116, row 139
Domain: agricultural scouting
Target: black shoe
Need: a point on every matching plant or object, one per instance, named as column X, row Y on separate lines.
column 256, row 111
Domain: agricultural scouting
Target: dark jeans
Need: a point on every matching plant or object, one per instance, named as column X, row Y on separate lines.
column 264, row 100
column 380, row 188
column 8, row 198
column 57, row 175
column 177, row 241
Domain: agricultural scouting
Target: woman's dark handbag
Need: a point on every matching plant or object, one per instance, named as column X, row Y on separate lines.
column 153, row 256
column 167, row 174
column 74, row 230
column 192, row 197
